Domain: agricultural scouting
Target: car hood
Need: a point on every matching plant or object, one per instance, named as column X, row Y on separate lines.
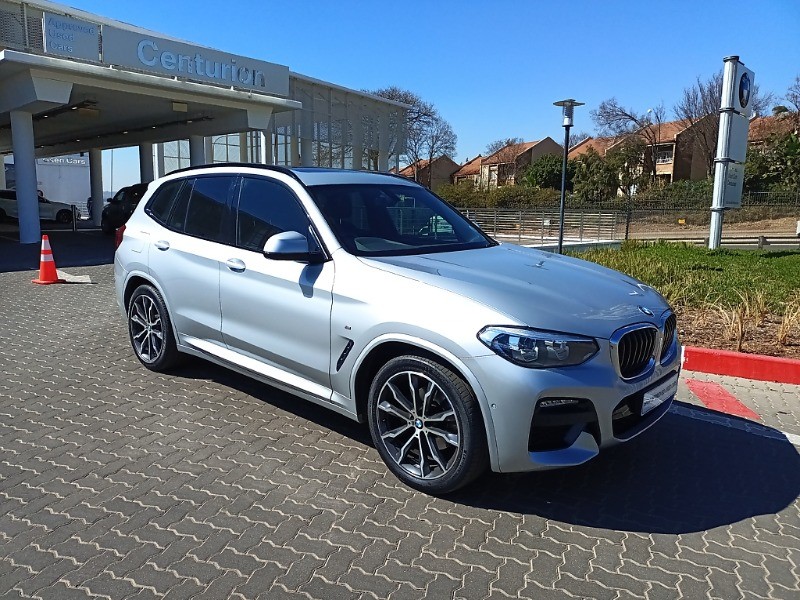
column 536, row 288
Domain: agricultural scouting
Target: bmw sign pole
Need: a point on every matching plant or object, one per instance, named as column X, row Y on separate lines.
column 568, row 107
column 734, row 122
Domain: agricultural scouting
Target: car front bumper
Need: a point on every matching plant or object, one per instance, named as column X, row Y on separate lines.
column 550, row 418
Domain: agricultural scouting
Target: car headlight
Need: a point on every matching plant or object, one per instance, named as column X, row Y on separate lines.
column 538, row 349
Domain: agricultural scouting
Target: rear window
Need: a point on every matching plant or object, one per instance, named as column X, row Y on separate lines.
column 206, row 216
column 162, row 201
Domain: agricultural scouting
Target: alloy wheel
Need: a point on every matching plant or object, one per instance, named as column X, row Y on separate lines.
column 417, row 425
column 147, row 331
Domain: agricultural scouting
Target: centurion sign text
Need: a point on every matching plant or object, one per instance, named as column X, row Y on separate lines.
column 150, row 55
column 167, row 57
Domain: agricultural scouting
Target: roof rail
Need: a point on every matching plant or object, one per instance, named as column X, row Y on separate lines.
column 276, row 168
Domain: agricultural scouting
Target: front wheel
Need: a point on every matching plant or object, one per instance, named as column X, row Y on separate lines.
column 150, row 330
column 64, row 217
column 426, row 424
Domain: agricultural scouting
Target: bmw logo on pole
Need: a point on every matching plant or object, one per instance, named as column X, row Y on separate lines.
column 744, row 90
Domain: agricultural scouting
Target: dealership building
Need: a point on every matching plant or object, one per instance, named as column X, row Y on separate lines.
column 74, row 82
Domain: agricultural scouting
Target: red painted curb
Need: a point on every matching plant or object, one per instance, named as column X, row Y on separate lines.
column 739, row 364
column 717, row 398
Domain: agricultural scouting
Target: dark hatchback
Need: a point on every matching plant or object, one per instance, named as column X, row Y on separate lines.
column 120, row 208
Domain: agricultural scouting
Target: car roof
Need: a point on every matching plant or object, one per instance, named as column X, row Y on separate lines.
column 309, row 176
column 319, row 176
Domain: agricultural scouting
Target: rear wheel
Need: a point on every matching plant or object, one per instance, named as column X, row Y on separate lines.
column 426, row 424
column 150, row 330
column 106, row 227
column 64, row 216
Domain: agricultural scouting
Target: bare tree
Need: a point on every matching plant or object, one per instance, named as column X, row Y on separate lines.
column 793, row 98
column 577, row 138
column 698, row 109
column 419, row 116
column 503, row 143
column 615, row 120
column 438, row 140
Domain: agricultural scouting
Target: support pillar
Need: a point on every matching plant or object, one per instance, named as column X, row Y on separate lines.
column 307, row 133
column 160, row 163
column 358, row 138
column 383, row 144
column 146, row 172
column 22, row 143
column 2, row 172
column 243, row 157
column 294, row 144
column 96, row 183
column 197, row 150
column 265, row 138
column 208, row 143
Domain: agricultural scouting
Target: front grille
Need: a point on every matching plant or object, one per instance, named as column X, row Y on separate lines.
column 669, row 333
column 634, row 351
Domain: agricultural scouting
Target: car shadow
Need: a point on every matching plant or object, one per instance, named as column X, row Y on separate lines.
column 682, row 475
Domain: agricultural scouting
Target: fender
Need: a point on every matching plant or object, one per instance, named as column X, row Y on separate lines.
column 462, row 369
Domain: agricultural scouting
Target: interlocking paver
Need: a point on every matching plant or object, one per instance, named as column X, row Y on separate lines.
column 201, row 483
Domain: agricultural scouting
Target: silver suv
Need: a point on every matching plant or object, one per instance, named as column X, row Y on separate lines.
column 370, row 296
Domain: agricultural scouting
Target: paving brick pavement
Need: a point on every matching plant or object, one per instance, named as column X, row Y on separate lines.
column 120, row 483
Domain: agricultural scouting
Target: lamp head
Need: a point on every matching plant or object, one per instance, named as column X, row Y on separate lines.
column 568, row 107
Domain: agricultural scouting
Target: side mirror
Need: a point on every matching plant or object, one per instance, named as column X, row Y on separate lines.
column 290, row 245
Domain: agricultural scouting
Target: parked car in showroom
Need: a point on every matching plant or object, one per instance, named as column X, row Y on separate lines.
column 120, row 208
column 461, row 353
column 48, row 209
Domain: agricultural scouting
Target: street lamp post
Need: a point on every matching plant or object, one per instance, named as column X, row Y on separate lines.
column 568, row 107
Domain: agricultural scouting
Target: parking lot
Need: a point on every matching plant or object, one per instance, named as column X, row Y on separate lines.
column 116, row 482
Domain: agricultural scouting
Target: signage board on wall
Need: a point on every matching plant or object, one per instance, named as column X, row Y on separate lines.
column 177, row 59
column 65, row 36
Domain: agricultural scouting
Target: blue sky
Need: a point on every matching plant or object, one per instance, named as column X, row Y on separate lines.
column 493, row 69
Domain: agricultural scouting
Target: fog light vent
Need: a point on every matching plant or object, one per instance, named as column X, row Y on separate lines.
column 549, row 402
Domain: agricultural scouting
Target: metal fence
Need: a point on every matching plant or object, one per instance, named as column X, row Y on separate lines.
column 532, row 226
column 540, row 225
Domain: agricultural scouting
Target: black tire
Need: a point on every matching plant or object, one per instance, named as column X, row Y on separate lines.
column 452, row 448
column 106, row 227
column 64, row 217
column 3, row 216
column 150, row 330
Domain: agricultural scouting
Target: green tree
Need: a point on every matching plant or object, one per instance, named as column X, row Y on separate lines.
column 784, row 154
column 594, row 179
column 627, row 161
column 545, row 172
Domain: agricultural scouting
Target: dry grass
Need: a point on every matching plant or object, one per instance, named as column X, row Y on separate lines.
column 734, row 321
column 790, row 322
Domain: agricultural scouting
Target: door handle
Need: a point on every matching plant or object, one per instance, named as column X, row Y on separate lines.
column 236, row 265
column 161, row 244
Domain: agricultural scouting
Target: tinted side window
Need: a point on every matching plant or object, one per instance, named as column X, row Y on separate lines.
column 266, row 208
column 163, row 199
column 208, row 208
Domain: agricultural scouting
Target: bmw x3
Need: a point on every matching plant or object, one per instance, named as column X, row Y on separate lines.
column 367, row 294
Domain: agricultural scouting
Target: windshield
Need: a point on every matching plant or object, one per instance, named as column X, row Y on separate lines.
column 393, row 220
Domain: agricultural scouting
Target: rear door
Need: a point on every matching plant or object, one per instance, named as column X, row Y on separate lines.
column 185, row 253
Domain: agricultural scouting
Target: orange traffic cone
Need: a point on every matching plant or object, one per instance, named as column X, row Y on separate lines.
column 47, row 266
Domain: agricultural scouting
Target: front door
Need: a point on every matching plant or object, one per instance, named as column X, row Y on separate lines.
column 276, row 312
